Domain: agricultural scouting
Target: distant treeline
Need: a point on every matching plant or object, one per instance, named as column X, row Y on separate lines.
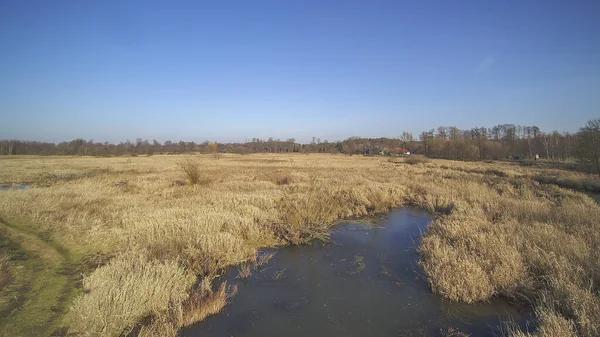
column 505, row 141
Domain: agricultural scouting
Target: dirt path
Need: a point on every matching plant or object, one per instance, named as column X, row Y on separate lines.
column 42, row 287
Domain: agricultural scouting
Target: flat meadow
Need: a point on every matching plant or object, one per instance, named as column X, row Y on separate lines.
column 129, row 246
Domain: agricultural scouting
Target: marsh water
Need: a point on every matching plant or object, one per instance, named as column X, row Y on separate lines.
column 15, row 187
column 594, row 195
column 366, row 282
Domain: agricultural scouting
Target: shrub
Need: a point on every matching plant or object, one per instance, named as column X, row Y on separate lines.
column 191, row 169
column 284, row 179
column 416, row 159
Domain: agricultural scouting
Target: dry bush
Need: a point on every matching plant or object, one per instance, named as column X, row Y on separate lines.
column 284, row 179
column 416, row 159
column 279, row 177
column 192, row 170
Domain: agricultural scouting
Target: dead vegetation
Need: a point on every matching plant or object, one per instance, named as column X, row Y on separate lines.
column 410, row 160
column 416, row 159
column 498, row 230
column 202, row 303
column 575, row 180
column 125, row 291
column 191, row 169
column 307, row 212
column 523, row 241
column 284, row 179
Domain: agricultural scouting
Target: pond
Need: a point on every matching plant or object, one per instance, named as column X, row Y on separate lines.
column 366, row 282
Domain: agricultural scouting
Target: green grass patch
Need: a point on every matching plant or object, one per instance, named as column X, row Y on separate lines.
column 42, row 287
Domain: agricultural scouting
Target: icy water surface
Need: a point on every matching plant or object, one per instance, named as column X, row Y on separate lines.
column 15, row 187
column 367, row 282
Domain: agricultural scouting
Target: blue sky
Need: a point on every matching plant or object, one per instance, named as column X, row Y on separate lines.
column 235, row 70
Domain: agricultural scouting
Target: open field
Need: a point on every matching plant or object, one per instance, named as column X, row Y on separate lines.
column 123, row 245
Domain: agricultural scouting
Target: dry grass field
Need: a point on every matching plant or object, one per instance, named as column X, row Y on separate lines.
column 117, row 246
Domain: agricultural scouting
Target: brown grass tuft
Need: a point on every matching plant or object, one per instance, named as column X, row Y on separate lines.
column 457, row 276
column 244, row 271
column 306, row 214
column 576, row 180
column 416, row 159
column 129, row 288
column 551, row 324
column 284, row 179
column 206, row 302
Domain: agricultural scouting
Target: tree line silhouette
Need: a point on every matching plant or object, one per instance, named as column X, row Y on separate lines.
column 506, row 141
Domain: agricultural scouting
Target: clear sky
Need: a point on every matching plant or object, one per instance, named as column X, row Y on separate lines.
column 234, row 70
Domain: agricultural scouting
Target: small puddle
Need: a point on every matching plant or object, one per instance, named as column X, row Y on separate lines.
column 367, row 282
column 15, row 187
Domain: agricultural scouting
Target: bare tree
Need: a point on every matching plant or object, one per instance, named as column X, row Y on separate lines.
column 406, row 138
column 214, row 149
column 425, row 140
column 441, row 133
column 589, row 147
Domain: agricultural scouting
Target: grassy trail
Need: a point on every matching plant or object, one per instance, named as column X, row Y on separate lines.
column 44, row 282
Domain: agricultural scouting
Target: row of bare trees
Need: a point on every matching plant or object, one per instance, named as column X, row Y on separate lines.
column 589, row 145
column 501, row 141
column 479, row 143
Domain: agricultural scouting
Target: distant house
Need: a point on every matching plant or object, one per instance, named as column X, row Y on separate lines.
column 398, row 151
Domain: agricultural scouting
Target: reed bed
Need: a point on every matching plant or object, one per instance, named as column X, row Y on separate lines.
column 499, row 229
